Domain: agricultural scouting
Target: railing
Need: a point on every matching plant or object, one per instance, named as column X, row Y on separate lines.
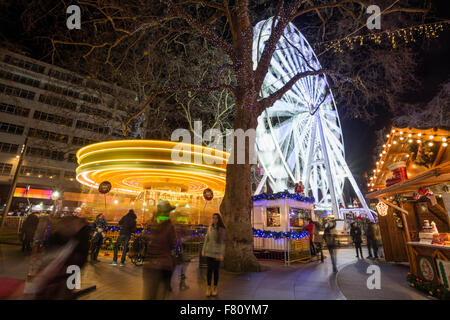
column 283, row 249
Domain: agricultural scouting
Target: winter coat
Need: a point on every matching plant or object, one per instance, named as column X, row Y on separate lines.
column 160, row 244
column 371, row 232
column 214, row 245
column 127, row 224
column 29, row 226
column 310, row 229
column 356, row 233
column 329, row 236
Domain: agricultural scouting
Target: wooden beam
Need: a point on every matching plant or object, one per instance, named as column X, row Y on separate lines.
column 393, row 206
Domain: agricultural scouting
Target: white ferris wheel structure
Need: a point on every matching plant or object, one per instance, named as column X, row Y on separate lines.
column 299, row 138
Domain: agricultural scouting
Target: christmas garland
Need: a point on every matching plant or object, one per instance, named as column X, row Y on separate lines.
column 283, row 195
column 278, row 235
column 434, row 290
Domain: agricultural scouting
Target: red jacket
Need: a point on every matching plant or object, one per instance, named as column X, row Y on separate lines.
column 310, row 228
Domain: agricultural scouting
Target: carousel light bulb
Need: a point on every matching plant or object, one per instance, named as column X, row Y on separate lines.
column 444, row 144
column 374, row 170
column 431, row 137
column 384, row 146
column 381, row 154
column 444, row 139
column 378, row 163
column 393, row 130
column 407, row 155
column 418, row 141
column 389, row 145
column 401, row 138
column 410, row 135
column 368, row 184
column 378, row 170
column 419, row 135
column 401, row 132
column 395, row 142
column 410, row 140
column 382, row 162
column 384, row 152
column 430, row 144
column 371, row 178
column 387, row 136
column 116, row 201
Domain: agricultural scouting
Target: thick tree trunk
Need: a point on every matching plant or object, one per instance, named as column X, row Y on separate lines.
column 237, row 205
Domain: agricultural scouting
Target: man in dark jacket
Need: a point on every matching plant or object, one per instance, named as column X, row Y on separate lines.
column 100, row 225
column 372, row 240
column 355, row 232
column 27, row 232
column 127, row 226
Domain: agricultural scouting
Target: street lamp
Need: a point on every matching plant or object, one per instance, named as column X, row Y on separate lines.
column 55, row 197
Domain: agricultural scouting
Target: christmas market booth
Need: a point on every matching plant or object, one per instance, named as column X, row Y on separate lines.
column 278, row 222
column 411, row 187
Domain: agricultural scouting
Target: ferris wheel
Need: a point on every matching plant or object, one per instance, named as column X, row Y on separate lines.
column 299, row 138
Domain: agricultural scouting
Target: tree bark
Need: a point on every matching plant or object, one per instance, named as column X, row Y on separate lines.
column 237, row 205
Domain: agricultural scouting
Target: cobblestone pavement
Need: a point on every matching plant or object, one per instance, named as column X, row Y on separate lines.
column 311, row 281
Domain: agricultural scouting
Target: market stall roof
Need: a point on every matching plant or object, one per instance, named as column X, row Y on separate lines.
column 437, row 175
column 402, row 145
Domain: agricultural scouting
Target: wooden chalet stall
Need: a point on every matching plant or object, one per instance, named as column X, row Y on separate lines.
column 411, row 185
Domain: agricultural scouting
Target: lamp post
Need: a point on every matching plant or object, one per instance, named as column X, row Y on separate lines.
column 14, row 182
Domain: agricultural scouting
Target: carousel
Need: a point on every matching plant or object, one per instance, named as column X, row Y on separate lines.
column 141, row 172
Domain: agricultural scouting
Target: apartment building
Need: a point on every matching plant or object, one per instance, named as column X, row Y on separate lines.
column 60, row 112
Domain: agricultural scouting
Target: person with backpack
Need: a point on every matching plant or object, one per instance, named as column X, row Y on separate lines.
column 127, row 227
column 100, row 225
column 214, row 251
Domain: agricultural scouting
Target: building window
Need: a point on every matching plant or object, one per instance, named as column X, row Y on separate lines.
column 69, row 175
column 62, row 90
column 45, row 153
column 58, row 102
column 19, row 78
column 48, row 135
column 28, row 171
column 17, row 92
column 52, row 118
column 95, row 112
column 11, row 128
column 82, row 141
column 15, row 110
column 72, row 158
column 8, row 147
column 65, row 76
column 91, row 127
column 90, row 98
column 23, row 64
column 5, row 169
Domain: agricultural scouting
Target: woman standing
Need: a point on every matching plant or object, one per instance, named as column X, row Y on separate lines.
column 214, row 250
column 355, row 232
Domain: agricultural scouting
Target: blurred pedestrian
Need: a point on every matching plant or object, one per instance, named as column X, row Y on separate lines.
column 67, row 246
column 127, row 226
column 372, row 240
column 330, row 239
column 356, row 234
column 181, row 258
column 310, row 229
column 159, row 262
column 27, row 231
column 214, row 251
column 100, row 225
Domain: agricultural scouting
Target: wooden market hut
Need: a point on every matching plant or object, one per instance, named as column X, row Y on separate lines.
column 412, row 177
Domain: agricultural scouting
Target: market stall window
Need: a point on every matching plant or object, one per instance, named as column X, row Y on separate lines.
column 298, row 217
column 273, row 217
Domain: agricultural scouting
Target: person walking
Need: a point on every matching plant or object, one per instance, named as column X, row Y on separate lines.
column 330, row 239
column 27, row 231
column 356, row 233
column 214, row 251
column 181, row 259
column 100, row 225
column 310, row 229
column 159, row 262
column 127, row 226
column 372, row 241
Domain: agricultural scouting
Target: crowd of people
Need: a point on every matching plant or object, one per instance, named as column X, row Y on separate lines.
column 162, row 247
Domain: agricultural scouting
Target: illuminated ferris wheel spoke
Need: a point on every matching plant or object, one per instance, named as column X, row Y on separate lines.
column 299, row 137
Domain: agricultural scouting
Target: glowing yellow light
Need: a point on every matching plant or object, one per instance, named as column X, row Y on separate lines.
column 401, row 132
column 394, row 142
column 410, row 140
column 410, row 135
column 431, row 137
column 430, row 144
column 444, row 139
column 393, row 130
column 389, row 145
column 378, row 163
column 418, row 141
column 444, row 144
column 387, row 136
column 419, row 135
column 382, row 162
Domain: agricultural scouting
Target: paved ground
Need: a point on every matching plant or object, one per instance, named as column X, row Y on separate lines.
column 312, row 281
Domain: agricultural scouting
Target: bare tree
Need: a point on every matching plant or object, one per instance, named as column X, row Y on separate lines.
column 112, row 29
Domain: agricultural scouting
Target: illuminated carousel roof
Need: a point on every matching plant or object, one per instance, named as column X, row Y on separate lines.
column 132, row 166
